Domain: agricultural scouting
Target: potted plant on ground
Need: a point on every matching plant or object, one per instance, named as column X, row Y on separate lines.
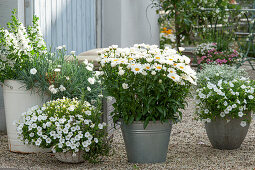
column 51, row 74
column 70, row 127
column 225, row 99
column 18, row 46
column 149, row 86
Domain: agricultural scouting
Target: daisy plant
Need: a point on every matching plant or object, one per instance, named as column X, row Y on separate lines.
column 148, row 83
column 65, row 125
column 224, row 93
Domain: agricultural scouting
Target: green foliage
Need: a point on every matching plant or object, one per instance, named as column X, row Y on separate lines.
column 60, row 75
column 213, row 73
column 188, row 18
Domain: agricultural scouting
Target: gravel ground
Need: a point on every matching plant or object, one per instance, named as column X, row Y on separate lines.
column 189, row 148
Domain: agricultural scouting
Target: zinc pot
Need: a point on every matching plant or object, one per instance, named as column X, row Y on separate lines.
column 16, row 101
column 149, row 145
column 226, row 135
column 69, row 157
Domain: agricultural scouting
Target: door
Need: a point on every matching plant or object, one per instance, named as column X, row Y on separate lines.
column 65, row 22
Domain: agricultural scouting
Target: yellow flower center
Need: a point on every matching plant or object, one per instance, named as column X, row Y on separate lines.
column 158, row 67
column 105, row 56
column 181, row 67
column 130, row 59
column 157, row 58
column 147, row 67
column 170, row 59
column 175, row 64
column 173, row 77
column 137, row 69
column 171, row 71
column 115, row 60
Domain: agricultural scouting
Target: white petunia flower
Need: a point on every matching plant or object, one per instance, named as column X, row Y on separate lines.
column 222, row 114
column 88, row 112
column 240, row 114
column 251, row 97
column 243, row 123
column 96, row 140
column 72, row 52
column 71, row 108
column 33, row 71
column 88, row 88
column 100, row 126
column 208, row 120
column 87, row 149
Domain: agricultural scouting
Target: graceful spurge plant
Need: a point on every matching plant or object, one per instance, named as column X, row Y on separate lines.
column 224, row 92
column 65, row 125
column 147, row 83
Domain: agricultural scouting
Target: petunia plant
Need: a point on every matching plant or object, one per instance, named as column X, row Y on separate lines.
column 65, row 125
column 148, row 83
column 225, row 96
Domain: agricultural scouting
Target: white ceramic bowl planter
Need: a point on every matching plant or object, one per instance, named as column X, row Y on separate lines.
column 16, row 101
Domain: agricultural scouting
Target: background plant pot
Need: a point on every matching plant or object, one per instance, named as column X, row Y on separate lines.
column 149, row 145
column 223, row 135
column 69, row 157
column 16, row 101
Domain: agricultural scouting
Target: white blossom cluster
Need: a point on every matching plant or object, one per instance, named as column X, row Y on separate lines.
column 146, row 60
column 62, row 125
column 19, row 44
column 15, row 44
column 203, row 48
column 36, row 38
column 226, row 99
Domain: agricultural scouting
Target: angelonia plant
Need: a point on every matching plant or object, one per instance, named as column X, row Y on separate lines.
column 147, row 83
column 18, row 45
column 224, row 93
column 65, row 125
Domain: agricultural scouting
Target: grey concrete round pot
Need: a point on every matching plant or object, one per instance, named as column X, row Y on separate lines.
column 149, row 145
column 226, row 135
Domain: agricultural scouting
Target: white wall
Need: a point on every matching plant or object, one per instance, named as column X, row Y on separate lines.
column 6, row 6
column 125, row 23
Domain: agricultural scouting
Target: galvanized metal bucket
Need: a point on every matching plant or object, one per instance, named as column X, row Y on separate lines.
column 149, row 145
column 226, row 135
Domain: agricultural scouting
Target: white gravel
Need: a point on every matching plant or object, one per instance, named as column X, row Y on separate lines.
column 189, row 148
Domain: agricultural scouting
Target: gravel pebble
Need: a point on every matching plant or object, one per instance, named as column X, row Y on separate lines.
column 189, row 148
